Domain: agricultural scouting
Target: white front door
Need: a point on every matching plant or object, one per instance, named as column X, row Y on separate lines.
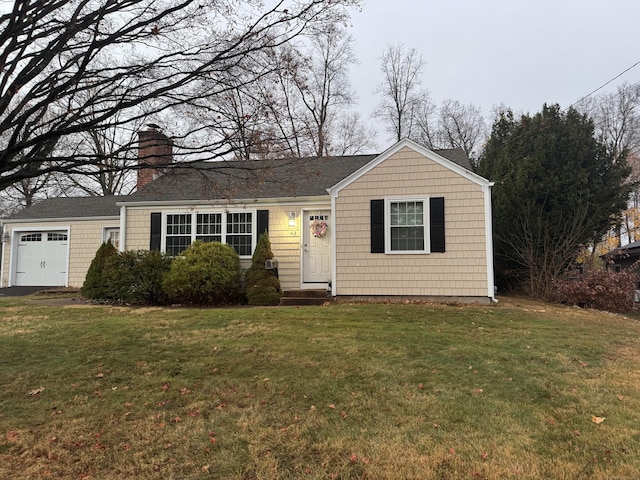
column 316, row 254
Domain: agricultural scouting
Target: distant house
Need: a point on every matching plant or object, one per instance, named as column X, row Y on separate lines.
column 409, row 222
column 622, row 258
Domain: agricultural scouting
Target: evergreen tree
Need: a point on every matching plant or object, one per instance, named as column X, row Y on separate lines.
column 263, row 287
column 95, row 285
column 557, row 187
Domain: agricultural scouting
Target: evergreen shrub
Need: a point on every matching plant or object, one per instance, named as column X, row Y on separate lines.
column 94, row 286
column 204, row 274
column 136, row 277
column 262, row 285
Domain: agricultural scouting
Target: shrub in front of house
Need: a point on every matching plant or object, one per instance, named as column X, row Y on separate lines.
column 262, row 285
column 95, row 286
column 136, row 277
column 204, row 274
column 600, row 289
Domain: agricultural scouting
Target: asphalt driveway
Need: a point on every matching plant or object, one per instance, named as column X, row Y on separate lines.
column 20, row 291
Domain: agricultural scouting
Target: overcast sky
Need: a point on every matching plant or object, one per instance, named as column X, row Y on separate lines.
column 521, row 53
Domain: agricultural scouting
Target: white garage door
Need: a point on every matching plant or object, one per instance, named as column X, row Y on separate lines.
column 42, row 259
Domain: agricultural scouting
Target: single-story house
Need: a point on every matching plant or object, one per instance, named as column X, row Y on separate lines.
column 409, row 222
column 622, row 258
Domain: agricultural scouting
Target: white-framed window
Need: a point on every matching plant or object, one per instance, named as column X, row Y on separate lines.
column 407, row 225
column 234, row 228
column 239, row 232
column 209, row 227
column 111, row 234
column 178, row 232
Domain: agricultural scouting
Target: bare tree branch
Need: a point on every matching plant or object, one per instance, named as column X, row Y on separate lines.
column 69, row 66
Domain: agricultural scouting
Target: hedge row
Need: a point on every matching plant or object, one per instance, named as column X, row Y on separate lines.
column 600, row 289
column 204, row 274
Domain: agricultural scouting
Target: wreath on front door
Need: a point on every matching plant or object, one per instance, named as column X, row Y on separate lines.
column 318, row 228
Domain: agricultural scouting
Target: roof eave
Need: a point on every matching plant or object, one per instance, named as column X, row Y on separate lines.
column 239, row 201
column 57, row 219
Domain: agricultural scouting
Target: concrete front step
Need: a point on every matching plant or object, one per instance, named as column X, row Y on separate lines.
column 304, row 297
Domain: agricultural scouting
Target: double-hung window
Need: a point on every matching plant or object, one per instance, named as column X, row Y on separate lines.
column 178, row 233
column 209, row 227
column 407, row 227
column 235, row 229
column 239, row 232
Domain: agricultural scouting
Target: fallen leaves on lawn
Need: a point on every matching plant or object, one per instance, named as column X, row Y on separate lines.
column 597, row 420
column 35, row 392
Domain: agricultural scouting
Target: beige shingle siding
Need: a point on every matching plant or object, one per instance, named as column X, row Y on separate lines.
column 138, row 228
column 460, row 271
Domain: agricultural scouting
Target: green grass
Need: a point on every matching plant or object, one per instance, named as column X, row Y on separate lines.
column 334, row 392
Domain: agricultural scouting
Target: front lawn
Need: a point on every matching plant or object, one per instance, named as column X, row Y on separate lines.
column 516, row 390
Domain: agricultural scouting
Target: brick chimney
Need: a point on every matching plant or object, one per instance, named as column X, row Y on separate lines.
column 155, row 150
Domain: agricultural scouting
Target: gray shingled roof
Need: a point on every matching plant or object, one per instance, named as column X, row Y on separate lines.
column 223, row 180
column 252, row 179
column 262, row 179
column 71, row 207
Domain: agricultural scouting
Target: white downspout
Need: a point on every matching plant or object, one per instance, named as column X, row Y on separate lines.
column 4, row 253
column 123, row 223
column 334, row 256
column 488, row 229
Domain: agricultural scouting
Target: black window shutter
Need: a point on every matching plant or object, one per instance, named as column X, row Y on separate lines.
column 377, row 226
column 262, row 221
column 436, row 214
column 156, row 231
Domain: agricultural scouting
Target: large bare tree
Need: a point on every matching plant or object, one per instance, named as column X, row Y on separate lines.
column 300, row 108
column 324, row 87
column 402, row 98
column 73, row 66
column 462, row 126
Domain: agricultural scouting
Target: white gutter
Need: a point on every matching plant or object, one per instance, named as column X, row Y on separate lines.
column 59, row 219
column 291, row 201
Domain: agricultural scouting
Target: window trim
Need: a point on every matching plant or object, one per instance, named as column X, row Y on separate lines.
column 194, row 218
column 426, row 225
column 106, row 231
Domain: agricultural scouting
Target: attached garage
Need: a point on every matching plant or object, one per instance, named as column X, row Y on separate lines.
column 52, row 243
column 42, row 258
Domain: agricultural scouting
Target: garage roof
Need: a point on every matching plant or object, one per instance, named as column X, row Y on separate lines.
column 70, row 207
